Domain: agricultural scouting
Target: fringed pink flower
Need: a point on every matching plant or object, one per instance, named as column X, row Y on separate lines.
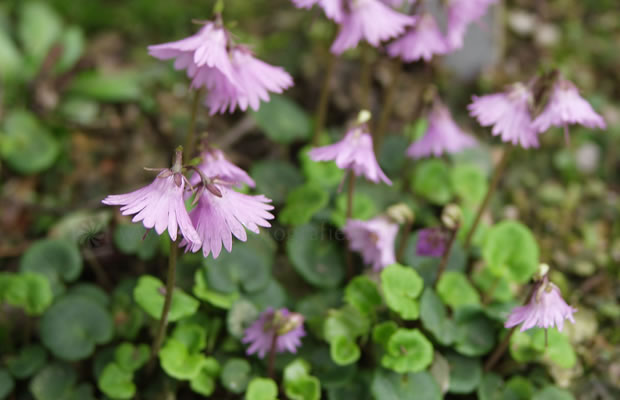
column 546, row 309
column 354, row 152
column 370, row 20
column 566, row 107
column 509, row 114
column 221, row 212
column 442, row 136
column 215, row 165
column 334, row 9
column 159, row 205
column 373, row 239
column 422, row 41
column 461, row 13
column 283, row 326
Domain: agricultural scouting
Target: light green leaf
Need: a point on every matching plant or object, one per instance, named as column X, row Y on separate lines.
column 408, row 350
column 304, row 388
column 363, row 208
column 362, row 293
column 324, row 174
column 511, row 250
column 116, row 382
column 456, row 291
column 344, row 351
column 11, row 60
column 149, row 294
column 29, row 291
column 553, row 393
column 382, row 332
column 204, row 292
column 113, row 88
column 262, row 389
column 432, row 181
column 131, row 357
column 178, row 363
column 73, row 42
column 469, row 182
column 240, row 317
column 347, row 322
column 39, row 27
column 401, row 287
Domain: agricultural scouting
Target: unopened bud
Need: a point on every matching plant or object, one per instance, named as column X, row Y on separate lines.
column 177, row 163
column 543, row 270
column 293, row 321
column 363, row 117
column 213, row 189
column 452, row 216
column 400, row 213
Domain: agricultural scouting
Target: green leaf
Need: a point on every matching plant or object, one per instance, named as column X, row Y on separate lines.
column 6, row 383
column 28, row 362
column 432, row 181
column 559, row 349
column 325, row 174
column 363, row 208
column 391, row 156
column 192, row 335
column 296, row 369
column 55, row 381
column 491, row 387
column 91, row 292
column 465, row 373
column 112, row 88
column 178, row 363
column 262, row 389
column 304, row 388
column 387, row 385
column 73, row 326
column 236, row 375
column 486, row 281
column 475, row 333
column 435, row 319
column 202, row 290
column 25, row 144
column 134, row 239
column 362, row 293
column 553, row 393
column 29, row 291
column 518, row 388
column 408, row 350
column 401, row 287
column 149, row 294
column 347, row 322
column 275, row 178
column 344, row 351
column 469, row 182
column 456, row 291
column 116, row 382
column 39, row 28
column 240, row 317
column 314, row 257
column 204, row 382
column 131, row 358
column 302, row 203
column 522, row 347
column 511, row 250
column 11, row 60
column 382, row 332
column 282, row 120
column 73, row 43
column 273, row 295
column 325, row 369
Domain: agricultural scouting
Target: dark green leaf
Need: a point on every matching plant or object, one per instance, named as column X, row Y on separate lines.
column 236, row 375
column 283, row 120
column 435, row 319
column 55, row 381
column 28, row 362
column 387, row 385
column 302, row 203
column 465, row 373
column 275, row 178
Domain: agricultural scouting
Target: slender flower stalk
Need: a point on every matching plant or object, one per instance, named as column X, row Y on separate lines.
column 388, row 104
column 170, row 283
column 451, row 218
column 191, row 129
column 350, row 197
column 321, row 111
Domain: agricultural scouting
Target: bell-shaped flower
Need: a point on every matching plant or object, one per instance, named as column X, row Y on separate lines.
column 422, row 41
column 215, row 164
column 282, row 329
column 373, row 239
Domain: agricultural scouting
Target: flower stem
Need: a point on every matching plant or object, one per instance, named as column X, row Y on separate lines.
column 191, row 129
column 366, row 77
column 321, row 111
column 388, row 104
column 403, row 242
column 446, row 255
column 487, row 296
column 499, row 351
column 272, row 357
column 497, row 174
column 349, row 214
column 163, row 321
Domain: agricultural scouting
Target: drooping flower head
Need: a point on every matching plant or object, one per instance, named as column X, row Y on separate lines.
column 160, row 205
column 373, row 239
column 432, row 242
column 422, row 41
column 215, row 164
column 566, row 107
column 461, row 13
column 334, row 9
column 370, row 20
column 287, row 328
column 545, row 309
column 354, row 152
column 442, row 136
column 509, row 114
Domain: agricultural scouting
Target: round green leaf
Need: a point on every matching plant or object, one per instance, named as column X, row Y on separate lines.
column 6, row 383
column 11, row 60
column 363, row 208
column 275, row 179
column 116, row 382
column 133, row 239
column 553, row 393
column 114, row 88
column 25, row 144
column 475, row 333
column 149, row 294
column 325, row 369
column 362, row 293
column 283, row 120
column 314, row 257
column 296, row 369
column 130, row 358
column 302, row 203
column 387, row 385
column 273, row 295
column 465, row 373
column 178, row 363
column 262, row 389
column 469, row 182
column 236, row 375
column 240, row 317
column 192, row 335
column 518, row 388
column 57, row 259
column 435, row 319
column 347, row 322
column 500, row 285
column 456, row 291
column 90, row 291
column 29, row 360
column 344, row 351
column 55, row 381
column 39, row 27
column 203, row 383
column 73, row 43
column 432, row 181
column 408, row 350
column 382, row 332
column 559, row 349
column 303, row 388
column 491, row 387
column 73, row 326
column 29, row 291
column 401, row 287
column 202, row 290
column 511, row 250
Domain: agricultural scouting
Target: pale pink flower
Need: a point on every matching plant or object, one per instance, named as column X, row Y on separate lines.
column 461, row 13
column 159, row 205
column 546, row 309
column 354, row 152
column 287, row 328
column 334, row 9
column 422, row 41
column 566, row 107
column 442, row 136
column 370, row 20
column 221, row 212
column 509, row 114
column 373, row 239
column 215, row 165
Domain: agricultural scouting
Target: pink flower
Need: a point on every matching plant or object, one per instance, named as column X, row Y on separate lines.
column 373, row 239
column 252, row 81
column 159, row 205
column 334, row 9
column 371, row 20
column 285, row 327
column 567, row 107
column 442, row 136
column 461, row 13
column 509, row 114
column 421, row 42
column 221, row 213
column 545, row 310
column 215, row 165
column 353, row 152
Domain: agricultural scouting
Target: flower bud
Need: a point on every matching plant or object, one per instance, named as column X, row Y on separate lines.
column 452, row 216
column 543, row 270
column 363, row 117
column 400, row 213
